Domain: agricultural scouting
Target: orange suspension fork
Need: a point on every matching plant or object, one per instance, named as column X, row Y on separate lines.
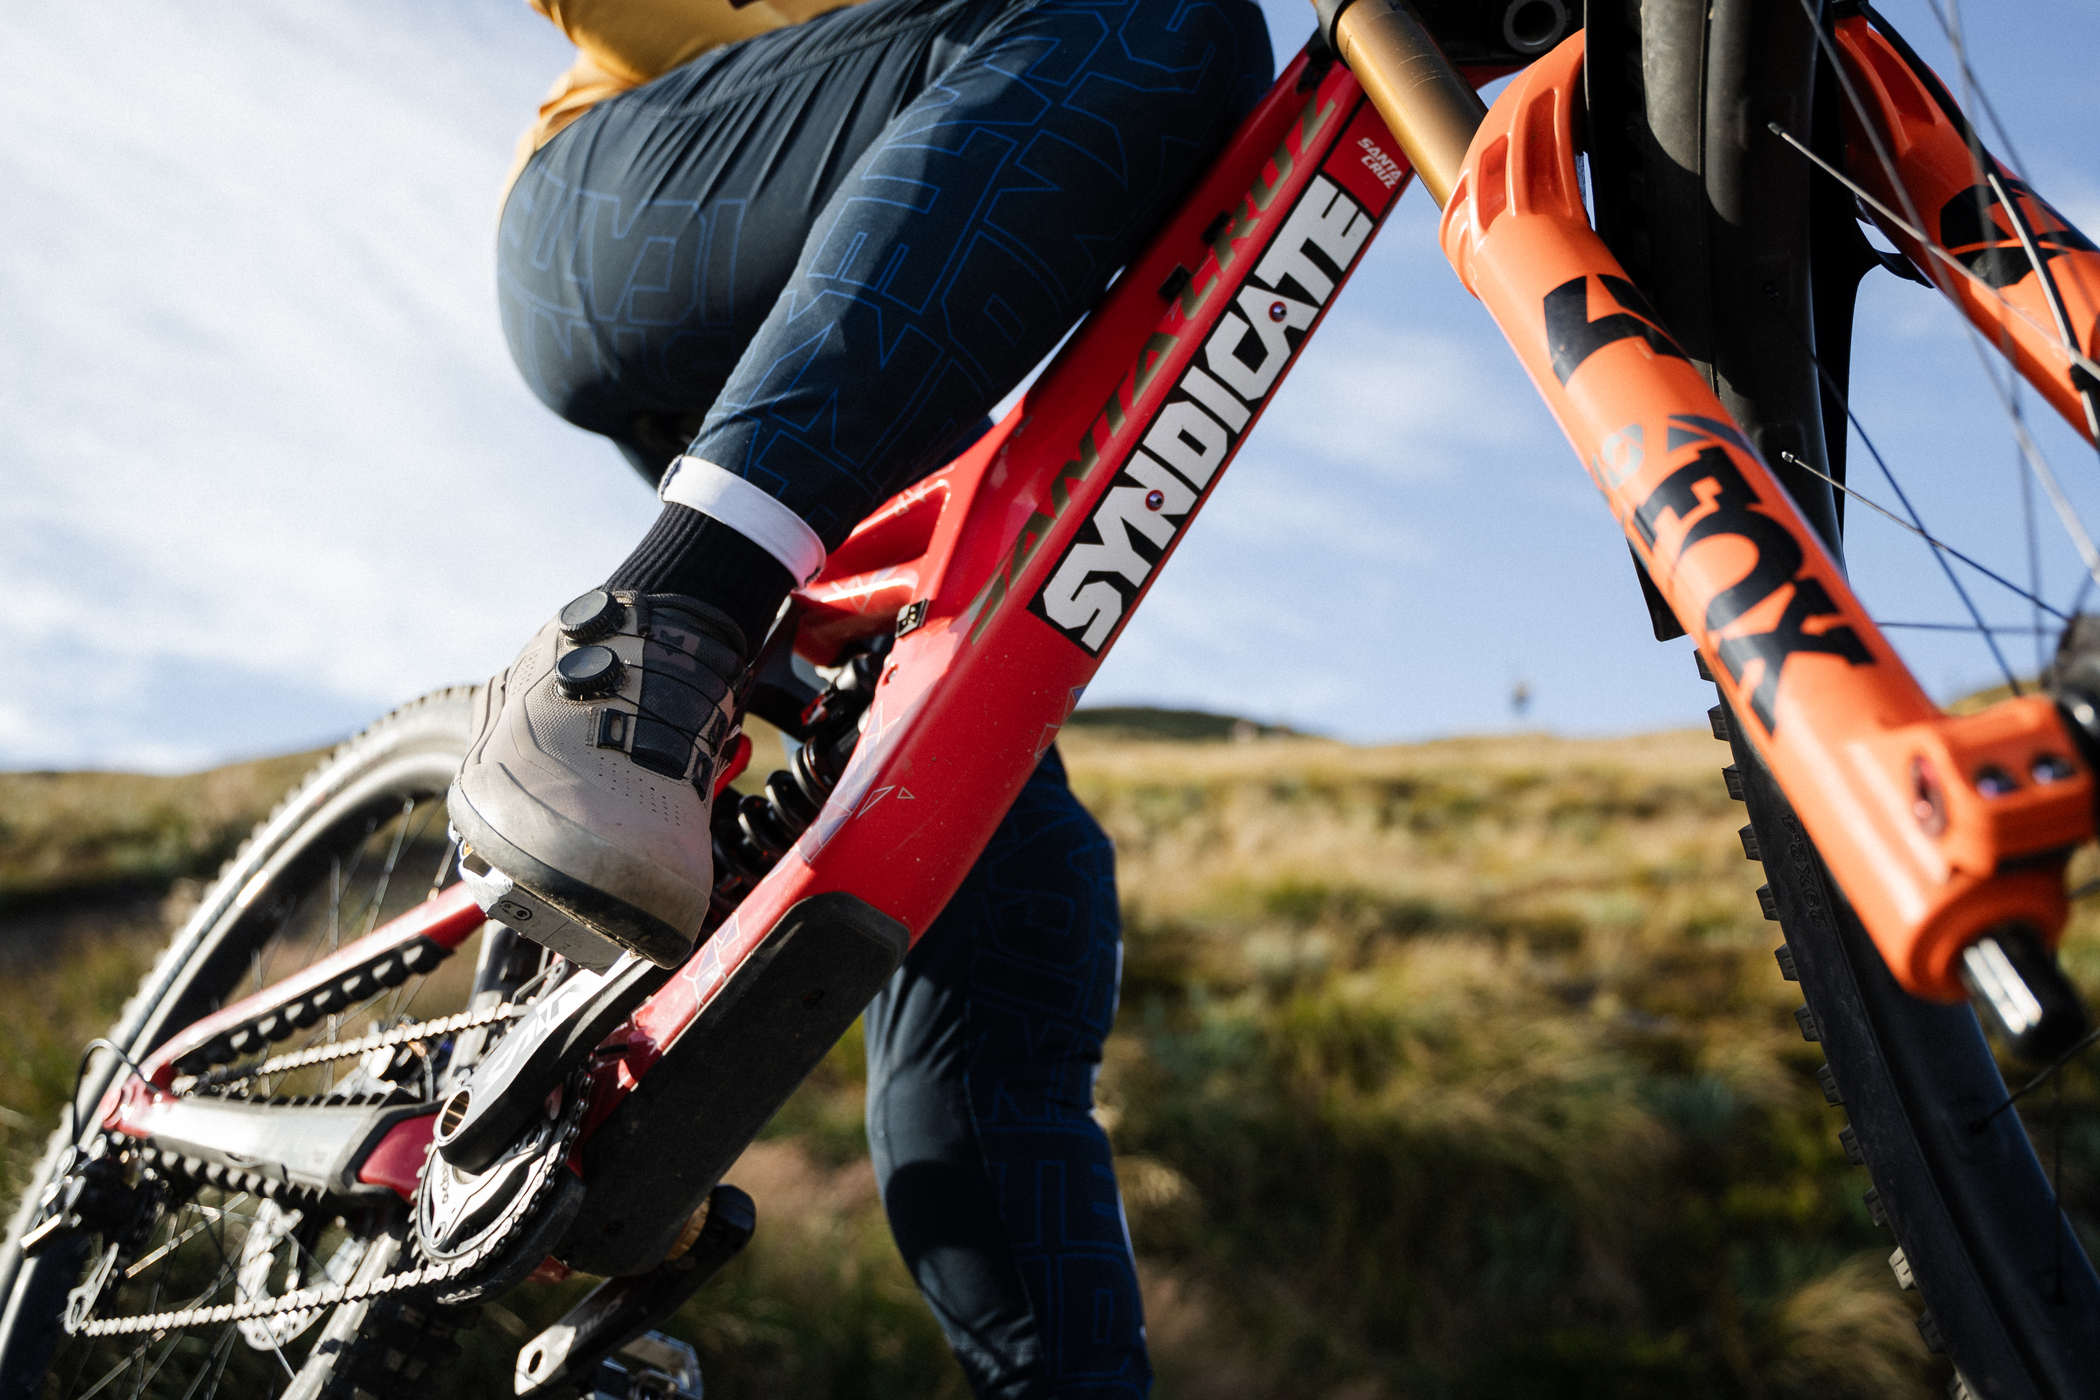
column 1941, row 831
column 1987, row 228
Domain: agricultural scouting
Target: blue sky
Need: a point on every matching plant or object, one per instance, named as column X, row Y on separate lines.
column 269, row 471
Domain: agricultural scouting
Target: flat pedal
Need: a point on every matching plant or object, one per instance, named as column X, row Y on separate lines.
column 651, row 1367
column 529, row 916
column 600, row 1331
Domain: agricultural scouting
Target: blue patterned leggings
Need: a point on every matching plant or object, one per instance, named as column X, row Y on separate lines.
column 818, row 257
column 822, row 254
column 981, row 1062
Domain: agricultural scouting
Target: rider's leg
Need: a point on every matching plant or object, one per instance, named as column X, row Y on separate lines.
column 986, row 218
column 982, row 1054
column 1026, row 152
column 960, row 244
column 889, row 214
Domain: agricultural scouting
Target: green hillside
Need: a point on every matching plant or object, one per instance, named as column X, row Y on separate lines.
column 1146, row 722
column 1455, row 1069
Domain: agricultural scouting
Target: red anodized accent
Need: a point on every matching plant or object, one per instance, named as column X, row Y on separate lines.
column 397, row 1162
column 133, row 1107
column 739, row 759
column 1937, row 828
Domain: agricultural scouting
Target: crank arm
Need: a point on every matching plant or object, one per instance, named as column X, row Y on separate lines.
column 271, row 1149
column 507, row 1089
column 617, row 1311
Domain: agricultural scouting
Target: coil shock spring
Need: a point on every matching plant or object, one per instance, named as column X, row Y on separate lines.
column 753, row 832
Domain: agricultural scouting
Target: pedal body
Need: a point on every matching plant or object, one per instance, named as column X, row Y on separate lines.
column 610, row 1323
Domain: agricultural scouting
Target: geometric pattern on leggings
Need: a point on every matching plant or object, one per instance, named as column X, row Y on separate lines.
column 982, row 223
column 1026, row 961
column 618, row 299
column 877, row 222
column 1044, row 979
column 643, row 247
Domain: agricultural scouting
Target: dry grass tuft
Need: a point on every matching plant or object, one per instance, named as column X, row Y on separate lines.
column 67, row 835
column 1457, row 1069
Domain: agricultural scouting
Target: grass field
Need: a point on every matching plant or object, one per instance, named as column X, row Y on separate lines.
column 1454, row 1069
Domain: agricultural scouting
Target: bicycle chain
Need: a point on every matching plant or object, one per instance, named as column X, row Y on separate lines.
column 431, row 1273
column 355, row 1049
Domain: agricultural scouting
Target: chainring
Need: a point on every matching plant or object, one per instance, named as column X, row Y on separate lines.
column 479, row 1224
column 489, row 1215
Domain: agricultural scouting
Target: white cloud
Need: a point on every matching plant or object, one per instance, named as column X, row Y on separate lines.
column 268, row 468
column 1404, row 404
column 265, row 448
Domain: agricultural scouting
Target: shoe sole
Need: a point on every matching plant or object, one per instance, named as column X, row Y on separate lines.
column 583, row 904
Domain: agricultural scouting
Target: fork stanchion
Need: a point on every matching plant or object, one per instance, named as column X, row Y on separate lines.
column 1429, row 106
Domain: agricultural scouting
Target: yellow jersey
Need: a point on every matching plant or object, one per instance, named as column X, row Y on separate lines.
column 622, row 44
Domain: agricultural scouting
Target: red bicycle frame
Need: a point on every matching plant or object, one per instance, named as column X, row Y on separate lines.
column 1015, row 567
column 1008, row 575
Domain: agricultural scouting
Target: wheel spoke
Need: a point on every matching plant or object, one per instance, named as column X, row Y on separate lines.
column 1970, row 627
column 119, row 1369
column 215, row 1365
column 386, row 871
column 1938, row 544
column 146, row 1375
column 336, row 883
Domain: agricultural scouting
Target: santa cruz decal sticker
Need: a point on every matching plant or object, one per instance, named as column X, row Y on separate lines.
column 1198, row 427
column 1709, row 497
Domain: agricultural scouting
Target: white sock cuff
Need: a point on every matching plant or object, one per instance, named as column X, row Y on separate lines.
column 700, row 485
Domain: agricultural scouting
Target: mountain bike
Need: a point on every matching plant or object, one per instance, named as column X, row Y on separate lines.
column 347, row 1103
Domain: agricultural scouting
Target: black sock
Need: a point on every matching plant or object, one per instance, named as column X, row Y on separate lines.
column 697, row 555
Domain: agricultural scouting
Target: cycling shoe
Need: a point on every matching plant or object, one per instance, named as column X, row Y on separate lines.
column 582, row 807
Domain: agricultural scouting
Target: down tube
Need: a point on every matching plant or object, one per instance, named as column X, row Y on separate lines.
column 1069, row 511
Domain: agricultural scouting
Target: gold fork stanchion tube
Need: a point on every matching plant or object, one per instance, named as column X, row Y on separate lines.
column 1431, row 110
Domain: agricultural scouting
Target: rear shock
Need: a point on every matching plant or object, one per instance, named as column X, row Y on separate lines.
column 752, row 833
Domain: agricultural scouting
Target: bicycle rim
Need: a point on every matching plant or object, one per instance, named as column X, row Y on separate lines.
column 360, row 842
column 1751, row 261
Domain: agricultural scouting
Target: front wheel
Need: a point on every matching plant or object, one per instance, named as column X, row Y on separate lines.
column 1753, row 260
column 359, row 842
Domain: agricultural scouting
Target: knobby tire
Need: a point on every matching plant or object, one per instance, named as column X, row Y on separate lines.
column 378, row 1349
